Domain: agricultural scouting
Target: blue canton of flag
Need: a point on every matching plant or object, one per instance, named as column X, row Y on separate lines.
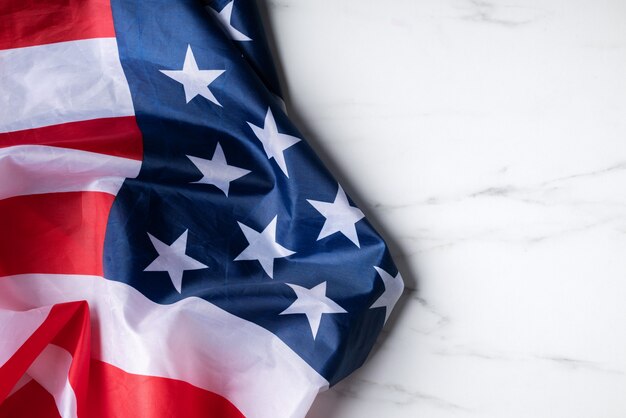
column 231, row 204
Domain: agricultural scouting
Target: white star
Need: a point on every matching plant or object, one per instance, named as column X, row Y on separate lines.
column 224, row 17
column 216, row 171
column 263, row 246
column 340, row 217
column 313, row 303
column 195, row 81
column 393, row 290
column 274, row 143
column 172, row 258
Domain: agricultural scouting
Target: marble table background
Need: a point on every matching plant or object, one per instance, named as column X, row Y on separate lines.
column 487, row 142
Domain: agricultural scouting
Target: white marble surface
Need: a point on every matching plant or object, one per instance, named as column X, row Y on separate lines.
column 487, row 139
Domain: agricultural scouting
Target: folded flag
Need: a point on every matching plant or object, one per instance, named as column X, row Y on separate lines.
column 171, row 244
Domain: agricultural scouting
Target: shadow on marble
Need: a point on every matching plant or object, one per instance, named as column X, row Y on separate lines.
column 410, row 278
column 331, row 407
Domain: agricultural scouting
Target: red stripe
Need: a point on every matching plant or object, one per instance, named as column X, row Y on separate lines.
column 34, row 22
column 119, row 137
column 75, row 337
column 67, row 323
column 114, row 393
column 59, row 233
column 30, row 401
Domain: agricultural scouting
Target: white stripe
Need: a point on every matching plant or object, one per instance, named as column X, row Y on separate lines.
column 63, row 82
column 17, row 327
column 51, row 370
column 34, row 169
column 191, row 340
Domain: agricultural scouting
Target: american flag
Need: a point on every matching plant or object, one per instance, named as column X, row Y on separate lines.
column 171, row 246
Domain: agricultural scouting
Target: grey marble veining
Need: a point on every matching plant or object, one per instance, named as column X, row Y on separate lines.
column 487, row 142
